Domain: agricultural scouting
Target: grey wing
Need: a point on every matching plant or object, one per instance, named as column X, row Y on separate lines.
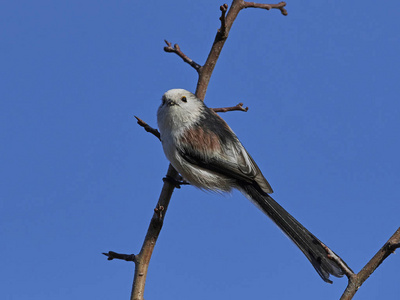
column 259, row 177
column 232, row 161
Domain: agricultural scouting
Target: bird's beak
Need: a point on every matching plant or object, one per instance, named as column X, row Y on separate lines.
column 170, row 103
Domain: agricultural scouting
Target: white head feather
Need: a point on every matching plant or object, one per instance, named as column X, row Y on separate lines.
column 179, row 110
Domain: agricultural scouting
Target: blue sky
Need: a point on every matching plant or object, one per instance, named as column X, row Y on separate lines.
column 79, row 177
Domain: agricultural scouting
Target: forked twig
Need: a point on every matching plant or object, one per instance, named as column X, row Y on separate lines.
column 222, row 30
column 280, row 6
column 356, row 280
column 177, row 50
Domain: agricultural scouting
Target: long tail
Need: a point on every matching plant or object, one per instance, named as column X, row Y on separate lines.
column 305, row 240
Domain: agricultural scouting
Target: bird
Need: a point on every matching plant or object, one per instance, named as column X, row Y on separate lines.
column 207, row 153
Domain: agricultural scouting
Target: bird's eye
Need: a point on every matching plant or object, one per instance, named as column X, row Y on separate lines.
column 184, row 99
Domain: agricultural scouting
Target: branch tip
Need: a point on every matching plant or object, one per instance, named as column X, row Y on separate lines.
column 280, row 6
column 114, row 255
column 222, row 31
column 177, row 50
column 148, row 128
column 237, row 107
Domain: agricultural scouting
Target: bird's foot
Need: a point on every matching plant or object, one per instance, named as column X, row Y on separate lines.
column 176, row 183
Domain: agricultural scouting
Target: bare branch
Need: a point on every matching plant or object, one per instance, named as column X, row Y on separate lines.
column 142, row 260
column 148, row 128
column 355, row 281
column 177, row 50
column 114, row 255
column 220, row 38
column 280, row 6
column 231, row 108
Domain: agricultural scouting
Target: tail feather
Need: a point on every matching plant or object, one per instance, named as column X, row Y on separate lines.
column 305, row 240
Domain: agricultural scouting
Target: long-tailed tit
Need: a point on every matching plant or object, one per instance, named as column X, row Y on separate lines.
column 207, row 153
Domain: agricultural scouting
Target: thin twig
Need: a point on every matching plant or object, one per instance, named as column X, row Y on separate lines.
column 148, row 128
column 177, row 50
column 222, row 30
column 231, row 108
column 280, row 6
column 219, row 41
column 114, row 255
